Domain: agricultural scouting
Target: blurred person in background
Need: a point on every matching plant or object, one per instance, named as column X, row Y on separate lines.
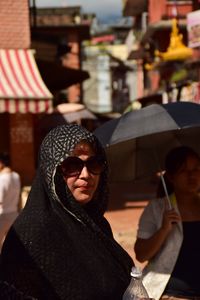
column 168, row 236
column 10, row 189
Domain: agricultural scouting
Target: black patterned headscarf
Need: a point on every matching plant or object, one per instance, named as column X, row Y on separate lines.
column 52, row 150
column 58, row 249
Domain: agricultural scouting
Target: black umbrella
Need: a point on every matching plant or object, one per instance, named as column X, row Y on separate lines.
column 138, row 141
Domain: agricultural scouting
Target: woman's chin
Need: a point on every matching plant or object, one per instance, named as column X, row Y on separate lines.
column 84, row 199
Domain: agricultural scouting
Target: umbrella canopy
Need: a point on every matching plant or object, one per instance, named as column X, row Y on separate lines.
column 74, row 112
column 65, row 113
column 58, row 77
column 138, row 141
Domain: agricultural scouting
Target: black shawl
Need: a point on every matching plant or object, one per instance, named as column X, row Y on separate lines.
column 57, row 249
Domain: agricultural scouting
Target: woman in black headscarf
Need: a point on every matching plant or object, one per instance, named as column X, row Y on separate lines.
column 61, row 246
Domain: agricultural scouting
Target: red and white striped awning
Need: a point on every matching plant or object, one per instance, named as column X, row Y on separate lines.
column 21, row 86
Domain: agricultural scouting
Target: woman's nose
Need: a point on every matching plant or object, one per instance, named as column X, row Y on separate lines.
column 84, row 172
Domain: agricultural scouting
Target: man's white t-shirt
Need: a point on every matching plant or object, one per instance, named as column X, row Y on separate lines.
column 10, row 188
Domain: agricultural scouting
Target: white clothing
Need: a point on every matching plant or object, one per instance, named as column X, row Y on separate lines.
column 6, row 221
column 10, row 188
column 159, row 268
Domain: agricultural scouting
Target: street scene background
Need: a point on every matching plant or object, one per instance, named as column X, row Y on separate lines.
column 90, row 62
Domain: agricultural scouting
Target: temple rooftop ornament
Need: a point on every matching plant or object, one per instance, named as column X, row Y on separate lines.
column 176, row 50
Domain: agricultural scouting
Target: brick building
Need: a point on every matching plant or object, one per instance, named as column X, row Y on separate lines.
column 14, row 21
column 20, row 88
column 57, row 35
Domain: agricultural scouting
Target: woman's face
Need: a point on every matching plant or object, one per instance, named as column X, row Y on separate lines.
column 84, row 184
column 187, row 177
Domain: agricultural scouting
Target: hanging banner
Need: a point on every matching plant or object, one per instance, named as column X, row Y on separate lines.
column 193, row 28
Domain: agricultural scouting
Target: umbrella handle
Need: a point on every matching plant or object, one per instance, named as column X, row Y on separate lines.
column 165, row 189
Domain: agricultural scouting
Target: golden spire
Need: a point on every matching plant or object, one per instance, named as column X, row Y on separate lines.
column 176, row 50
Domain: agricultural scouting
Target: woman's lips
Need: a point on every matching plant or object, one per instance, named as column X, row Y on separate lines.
column 85, row 187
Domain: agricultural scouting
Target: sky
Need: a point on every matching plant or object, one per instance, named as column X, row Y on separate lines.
column 100, row 7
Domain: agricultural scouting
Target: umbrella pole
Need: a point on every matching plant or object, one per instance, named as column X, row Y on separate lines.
column 165, row 189
column 163, row 183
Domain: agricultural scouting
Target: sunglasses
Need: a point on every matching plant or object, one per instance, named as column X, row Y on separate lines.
column 73, row 165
